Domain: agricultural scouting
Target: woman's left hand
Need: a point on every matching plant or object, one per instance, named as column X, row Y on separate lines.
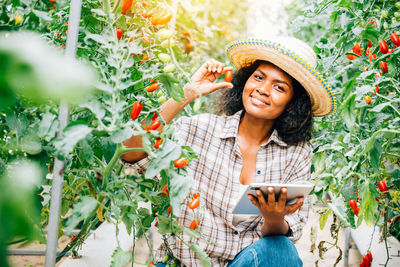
column 275, row 211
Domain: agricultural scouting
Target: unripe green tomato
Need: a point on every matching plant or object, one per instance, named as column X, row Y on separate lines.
column 165, row 43
column 397, row 5
column 197, row 105
column 160, row 93
column 385, row 25
column 165, row 34
column 169, row 68
column 376, row 10
column 161, row 99
column 397, row 14
column 394, row 20
column 384, row 14
column 191, row 54
column 150, row 94
column 164, row 57
column 148, row 102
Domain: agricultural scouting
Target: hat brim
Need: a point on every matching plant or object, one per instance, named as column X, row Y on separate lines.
column 243, row 53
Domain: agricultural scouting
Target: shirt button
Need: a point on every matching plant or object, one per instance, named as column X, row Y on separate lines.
column 236, row 232
column 258, row 172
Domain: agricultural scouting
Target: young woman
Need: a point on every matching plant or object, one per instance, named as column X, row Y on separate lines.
column 263, row 137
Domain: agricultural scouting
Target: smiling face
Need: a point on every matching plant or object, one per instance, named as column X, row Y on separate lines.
column 267, row 92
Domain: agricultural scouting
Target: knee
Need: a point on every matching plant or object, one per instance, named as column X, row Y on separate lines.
column 281, row 247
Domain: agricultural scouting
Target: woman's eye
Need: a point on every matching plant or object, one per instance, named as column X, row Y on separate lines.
column 258, row 77
column 280, row 88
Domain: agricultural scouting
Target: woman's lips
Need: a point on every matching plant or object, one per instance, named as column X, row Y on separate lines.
column 258, row 102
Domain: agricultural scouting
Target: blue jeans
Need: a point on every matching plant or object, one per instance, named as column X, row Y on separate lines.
column 269, row 251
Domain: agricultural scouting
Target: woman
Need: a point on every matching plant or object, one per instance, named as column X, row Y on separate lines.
column 263, row 138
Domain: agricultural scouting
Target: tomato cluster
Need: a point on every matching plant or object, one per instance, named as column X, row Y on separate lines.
column 366, row 260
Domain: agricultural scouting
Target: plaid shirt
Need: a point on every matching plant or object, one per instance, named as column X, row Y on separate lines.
column 216, row 176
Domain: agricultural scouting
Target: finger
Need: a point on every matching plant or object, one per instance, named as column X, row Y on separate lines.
column 292, row 208
column 282, row 197
column 261, row 198
column 253, row 200
column 222, row 85
column 220, row 68
column 271, row 196
column 227, row 69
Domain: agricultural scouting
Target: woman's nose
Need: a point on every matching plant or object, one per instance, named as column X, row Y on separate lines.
column 265, row 88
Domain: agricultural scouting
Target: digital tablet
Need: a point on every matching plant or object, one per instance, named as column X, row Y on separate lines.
column 244, row 205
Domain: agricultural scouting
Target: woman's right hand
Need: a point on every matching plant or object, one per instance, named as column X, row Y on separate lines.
column 203, row 79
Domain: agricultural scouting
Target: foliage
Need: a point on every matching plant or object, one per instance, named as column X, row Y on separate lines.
column 357, row 146
column 96, row 186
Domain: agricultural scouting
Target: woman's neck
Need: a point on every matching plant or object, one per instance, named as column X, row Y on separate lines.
column 254, row 130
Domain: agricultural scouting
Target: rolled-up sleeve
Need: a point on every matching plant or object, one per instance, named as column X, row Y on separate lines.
column 299, row 171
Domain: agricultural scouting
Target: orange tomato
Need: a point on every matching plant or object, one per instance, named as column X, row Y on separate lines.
column 189, row 46
column 367, row 99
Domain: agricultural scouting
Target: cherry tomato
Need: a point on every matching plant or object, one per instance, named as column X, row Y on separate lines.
column 194, row 203
column 196, row 195
column 165, row 18
column 369, row 43
column 152, row 87
column 180, row 163
column 357, row 49
column 158, row 143
column 383, row 47
column 228, row 76
column 154, row 125
column 382, row 186
column 353, row 203
column 156, row 224
column 395, row 39
column 186, row 33
column 169, row 209
column 189, row 46
column 164, row 191
column 366, row 261
column 370, row 22
column 151, row 264
column 367, row 99
column 377, row 89
column 384, row 66
column 350, row 57
column 126, row 6
column 136, row 109
column 119, row 33
column 369, row 255
column 194, row 224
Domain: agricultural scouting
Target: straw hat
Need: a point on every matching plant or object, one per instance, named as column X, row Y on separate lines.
column 294, row 57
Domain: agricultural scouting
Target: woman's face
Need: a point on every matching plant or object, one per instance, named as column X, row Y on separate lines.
column 267, row 92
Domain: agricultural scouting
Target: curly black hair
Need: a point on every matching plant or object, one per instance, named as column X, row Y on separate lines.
column 293, row 125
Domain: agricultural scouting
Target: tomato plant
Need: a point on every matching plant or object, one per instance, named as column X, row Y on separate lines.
column 128, row 47
column 358, row 146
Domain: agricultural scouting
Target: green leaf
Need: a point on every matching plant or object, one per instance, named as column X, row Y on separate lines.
column 323, row 218
column 72, row 134
column 380, row 107
column 338, row 207
column 167, row 153
column 348, row 108
column 120, row 258
column 179, row 188
column 192, row 233
column 203, row 257
column 48, row 126
column 41, row 14
column 81, row 210
column 375, row 154
column 31, row 144
column 121, row 135
column 371, row 33
column 172, row 85
column 369, row 205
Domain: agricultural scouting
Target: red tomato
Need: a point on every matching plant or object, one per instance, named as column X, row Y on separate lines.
column 189, row 46
column 158, row 143
column 383, row 47
column 366, row 261
column 169, row 209
column 194, row 224
column 353, row 203
column 357, row 49
column 350, row 57
column 382, row 186
column 164, row 191
column 369, row 43
column 186, row 33
column 152, row 87
column 136, row 109
column 395, row 39
column 228, row 76
column 119, row 33
column 126, row 6
column 180, row 163
column 369, row 255
column 196, row 195
column 370, row 22
column 194, row 203
column 154, row 125
column 377, row 89
column 384, row 66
